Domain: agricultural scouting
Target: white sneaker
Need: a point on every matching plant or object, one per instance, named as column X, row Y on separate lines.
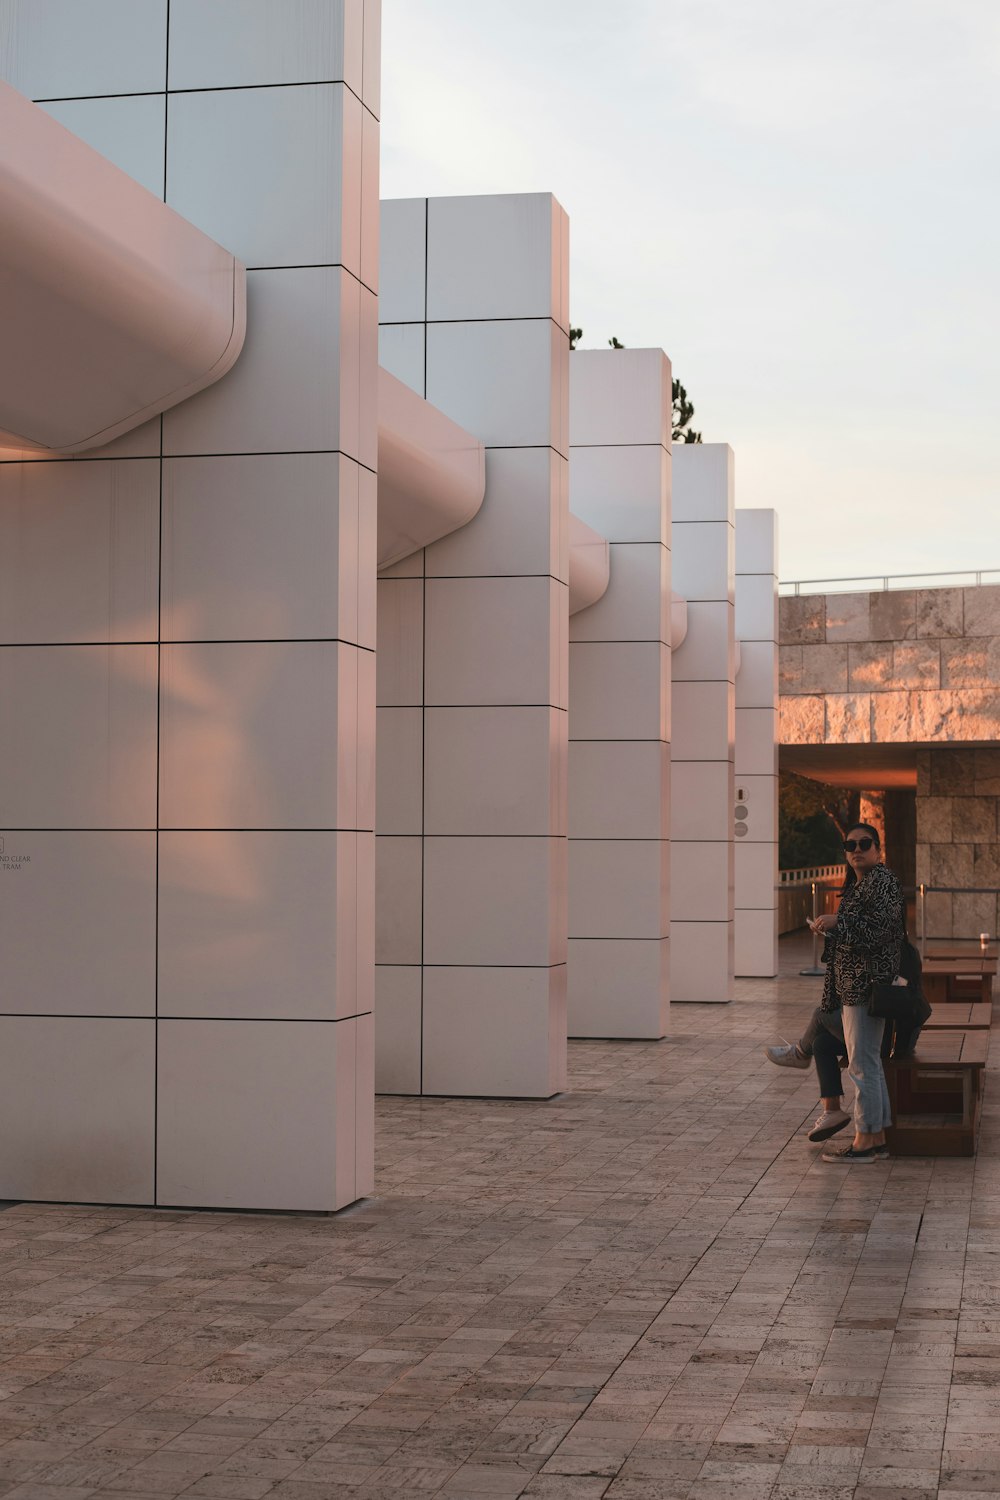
column 829, row 1122
column 787, row 1056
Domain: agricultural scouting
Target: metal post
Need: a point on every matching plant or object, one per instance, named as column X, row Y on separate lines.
column 817, row 971
column 922, row 908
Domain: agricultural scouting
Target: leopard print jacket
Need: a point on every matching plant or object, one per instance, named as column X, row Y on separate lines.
column 864, row 947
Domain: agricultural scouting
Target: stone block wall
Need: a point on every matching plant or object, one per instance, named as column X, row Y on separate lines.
column 901, row 666
column 958, row 838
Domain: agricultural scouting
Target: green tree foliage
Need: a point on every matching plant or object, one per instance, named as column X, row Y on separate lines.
column 575, row 335
column 682, row 414
column 813, row 820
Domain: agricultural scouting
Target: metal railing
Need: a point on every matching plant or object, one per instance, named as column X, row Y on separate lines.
column 811, row 872
column 880, row 582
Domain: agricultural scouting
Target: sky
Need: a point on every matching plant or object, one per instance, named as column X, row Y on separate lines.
column 797, row 199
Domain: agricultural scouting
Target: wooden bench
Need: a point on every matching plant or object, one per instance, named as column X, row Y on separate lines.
column 936, row 1095
column 956, row 979
column 962, row 1015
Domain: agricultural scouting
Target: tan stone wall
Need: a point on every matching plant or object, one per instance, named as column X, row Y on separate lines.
column 958, row 838
column 891, row 667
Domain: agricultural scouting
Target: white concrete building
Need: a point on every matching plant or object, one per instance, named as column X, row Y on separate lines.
column 241, row 566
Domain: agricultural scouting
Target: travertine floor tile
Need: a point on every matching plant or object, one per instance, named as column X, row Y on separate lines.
column 649, row 1288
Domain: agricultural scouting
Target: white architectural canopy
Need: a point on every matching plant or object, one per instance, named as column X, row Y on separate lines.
column 431, row 472
column 113, row 306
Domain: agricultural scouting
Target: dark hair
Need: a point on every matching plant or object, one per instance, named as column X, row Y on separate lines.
column 851, row 877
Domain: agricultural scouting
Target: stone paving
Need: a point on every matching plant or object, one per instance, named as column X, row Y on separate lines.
column 649, row 1288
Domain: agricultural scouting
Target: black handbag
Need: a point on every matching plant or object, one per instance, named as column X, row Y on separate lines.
column 904, row 1004
column 892, row 1002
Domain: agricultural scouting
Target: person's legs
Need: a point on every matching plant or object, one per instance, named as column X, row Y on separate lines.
column 827, row 1051
column 863, row 1034
column 799, row 1054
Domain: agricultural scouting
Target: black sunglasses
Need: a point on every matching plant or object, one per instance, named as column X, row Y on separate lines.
column 863, row 844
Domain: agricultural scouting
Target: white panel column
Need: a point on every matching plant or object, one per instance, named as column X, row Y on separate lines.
column 195, row 760
column 703, row 716
column 756, row 824
column 473, row 653
column 620, row 410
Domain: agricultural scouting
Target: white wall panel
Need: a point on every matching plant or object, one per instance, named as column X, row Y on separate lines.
column 705, row 490
column 492, row 257
column 756, row 606
column 227, row 759
column 490, row 641
column 403, row 261
column 701, row 798
column 756, row 940
column 625, row 489
column 78, row 924
column 757, row 680
column 399, row 665
column 78, row 551
column 229, row 44
column 250, row 545
column 619, row 691
column 283, row 147
column 615, row 983
column 701, row 881
column 491, row 901
column 619, row 789
column 703, row 560
column 76, row 1108
column 399, row 774
column 636, row 604
column 479, row 766
column 258, row 925
column 79, row 742
column 701, row 962
column 708, row 651
column 703, row 720
column 285, row 393
column 624, row 403
column 130, row 131
column 398, row 1028
column 499, row 1032
column 401, row 352
column 257, row 1090
column 62, row 49
column 398, row 908
column 618, row 888
column 520, row 532
column 499, row 380
column 757, row 740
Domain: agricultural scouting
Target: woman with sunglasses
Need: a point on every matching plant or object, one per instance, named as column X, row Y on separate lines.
column 863, row 946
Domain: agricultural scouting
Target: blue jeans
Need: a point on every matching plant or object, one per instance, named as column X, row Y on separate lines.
column 863, row 1035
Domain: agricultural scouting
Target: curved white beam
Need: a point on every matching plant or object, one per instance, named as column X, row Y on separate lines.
column 589, row 565
column 678, row 620
column 431, row 472
column 112, row 306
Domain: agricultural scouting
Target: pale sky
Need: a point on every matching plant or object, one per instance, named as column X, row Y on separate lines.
column 799, row 200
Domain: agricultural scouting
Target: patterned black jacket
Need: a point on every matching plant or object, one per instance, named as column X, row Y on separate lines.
column 864, row 947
